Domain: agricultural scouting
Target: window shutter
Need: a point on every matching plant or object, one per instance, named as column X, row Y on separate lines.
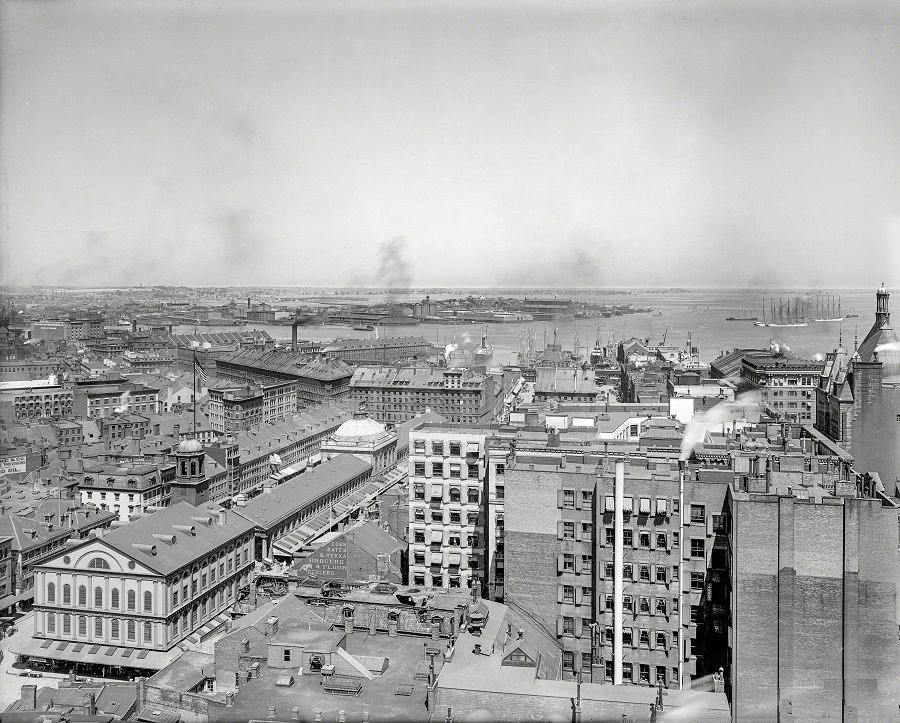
column 686, row 548
column 559, row 530
column 577, row 627
column 559, row 563
column 559, row 627
column 559, row 593
column 577, row 494
column 577, row 531
column 636, row 538
column 652, row 538
column 652, row 609
column 709, row 527
column 668, row 575
column 601, row 536
column 579, row 598
column 635, row 572
column 652, row 640
column 559, row 499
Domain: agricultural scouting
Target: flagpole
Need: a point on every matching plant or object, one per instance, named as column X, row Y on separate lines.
column 195, row 395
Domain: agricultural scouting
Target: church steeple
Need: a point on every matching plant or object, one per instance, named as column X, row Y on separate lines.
column 190, row 484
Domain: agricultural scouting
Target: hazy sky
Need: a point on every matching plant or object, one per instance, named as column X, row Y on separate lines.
column 487, row 143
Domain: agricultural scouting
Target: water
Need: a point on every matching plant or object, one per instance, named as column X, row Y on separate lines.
column 700, row 313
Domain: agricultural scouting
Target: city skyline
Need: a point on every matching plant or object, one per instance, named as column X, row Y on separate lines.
column 406, row 145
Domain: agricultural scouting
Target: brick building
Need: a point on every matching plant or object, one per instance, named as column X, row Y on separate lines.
column 396, row 394
column 378, row 351
column 237, row 409
column 37, row 399
column 784, row 381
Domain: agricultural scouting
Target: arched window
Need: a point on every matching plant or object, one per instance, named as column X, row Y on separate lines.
column 51, row 623
column 82, row 625
column 51, row 593
column 131, row 630
column 98, row 597
column 82, row 595
column 114, row 598
column 148, row 633
column 98, row 627
column 67, row 595
column 131, row 600
column 98, row 563
column 114, row 629
column 67, row 624
column 148, row 602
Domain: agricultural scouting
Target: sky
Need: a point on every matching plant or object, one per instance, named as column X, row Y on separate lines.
column 451, row 143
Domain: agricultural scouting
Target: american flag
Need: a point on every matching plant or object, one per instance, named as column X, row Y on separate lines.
column 198, row 369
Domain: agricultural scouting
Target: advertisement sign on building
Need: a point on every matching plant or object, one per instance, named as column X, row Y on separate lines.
column 11, row 465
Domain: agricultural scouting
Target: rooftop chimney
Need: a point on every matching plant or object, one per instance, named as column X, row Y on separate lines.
column 29, row 697
column 223, row 518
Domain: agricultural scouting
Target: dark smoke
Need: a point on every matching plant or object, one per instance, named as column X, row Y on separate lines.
column 393, row 269
column 574, row 266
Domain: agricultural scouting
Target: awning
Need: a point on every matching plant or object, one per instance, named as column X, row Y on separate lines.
column 10, row 600
column 104, row 655
column 645, row 506
column 661, row 506
column 454, row 559
column 437, row 536
column 437, row 491
column 471, row 447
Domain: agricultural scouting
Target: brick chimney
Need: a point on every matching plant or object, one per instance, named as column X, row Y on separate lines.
column 29, row 697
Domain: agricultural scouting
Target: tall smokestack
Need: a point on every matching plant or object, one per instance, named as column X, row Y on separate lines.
column 248, row 302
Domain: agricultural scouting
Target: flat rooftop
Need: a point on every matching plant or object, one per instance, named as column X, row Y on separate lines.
column 377, row 696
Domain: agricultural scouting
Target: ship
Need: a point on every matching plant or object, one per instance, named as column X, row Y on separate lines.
column 786, row 316
column 745, row 316
column 825, row 309
column 484, row 354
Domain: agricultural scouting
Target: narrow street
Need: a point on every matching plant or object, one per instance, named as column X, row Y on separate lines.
column 11, row 685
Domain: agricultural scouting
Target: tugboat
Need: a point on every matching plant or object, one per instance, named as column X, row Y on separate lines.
column 484, row 354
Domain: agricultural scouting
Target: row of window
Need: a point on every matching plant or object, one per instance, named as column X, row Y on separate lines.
column 454, row 516
column 114, row 595
column 114, row 627
column 438, row 447
column 437, row 470
column 628, row 670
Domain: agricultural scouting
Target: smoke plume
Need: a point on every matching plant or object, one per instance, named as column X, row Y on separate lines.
column 714, row 418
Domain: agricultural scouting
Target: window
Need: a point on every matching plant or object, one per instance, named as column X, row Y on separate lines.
column 287, row 655
column 587, row 499
column 51, row 623
column 82, row 596
column 419, row 536
column 51, row 593
column 587, row 660
column 568, row 595
column 82, row 625
column 661, row 540
column 661, row 671
column 718, row 523
column 608, row 665
column 67, row 624
column 608, row 601
column 114, row 598
column 610, row 536
column 627, row 537
column 568, row 661
column 148, row 633
column 420, row 472
column 114, row 628
column 568, row 530
column 148, row 602
column 609, row 569
column 587, row 563
column 675, row 537
column 644, row 604
column 419, row 514
column 660, row 641
column 698, row 514
column 132, row 604
column 661, row 606
column 626, row 671
column 698, row 547
column 587, row 593
column 676, row 507
column 501, row 469
column 568, row 562
column 437, row 448
column 437, row 469
column 644, row 673
column 628, row 603
column 644, row 640
column 98, row 563
column 660, row 573
column 569, row 499
column 587, row 531
column 697, row 579
column 644, row 538
column 627, row 636
column 628, row 570
column 98, row 627
column 98, row 597
column 568, row 626
column 644, row 572
column 694, row 614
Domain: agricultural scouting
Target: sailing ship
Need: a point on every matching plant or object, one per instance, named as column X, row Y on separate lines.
column 825, row 309
column 744, row 316
column 788, row 314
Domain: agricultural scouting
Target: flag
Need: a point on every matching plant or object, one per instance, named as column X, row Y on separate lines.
column 198, row 369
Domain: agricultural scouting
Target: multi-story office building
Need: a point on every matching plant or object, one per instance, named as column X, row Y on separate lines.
column 446, row 505
column 377, row 351
column 318, row 380
column 36, row 399
column 50, row 330
column 102, row 398
column 394, row 395
column 126, row 598
column 86, row 326
column 126, row 490
column 7, row 591
column 237, row 409
column 31, row 368
column 787, row 383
